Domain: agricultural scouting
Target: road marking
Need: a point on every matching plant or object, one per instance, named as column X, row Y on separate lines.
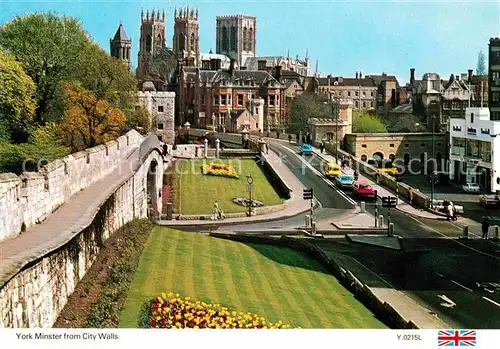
column 492, row 301
column 450, row 238
column 459, row 284
column 438, row 274
column 329, row 182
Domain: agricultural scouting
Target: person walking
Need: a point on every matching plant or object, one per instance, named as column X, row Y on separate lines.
column 485, row 227
column 290, row 138
column 215, row 211
column 321, row 147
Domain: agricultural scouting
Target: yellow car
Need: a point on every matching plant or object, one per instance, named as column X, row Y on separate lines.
column 390, row 171
column 332, row 170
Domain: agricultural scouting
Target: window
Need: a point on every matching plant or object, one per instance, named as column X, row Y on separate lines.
column 472, row 118
column 364, row 104
column 356, row 104
column 439, row 145
column 391, row 145
column 160, row 126
column 455, row 104
column 407, row 145
column 371, row 94
column 349, row 93
column 364, row 158
column 223, row 99
column 160, row 109
column 256, row 125
column 216, row 99
column 222, row 119
column 202, row 99
column 495, row 96
column 422, row 145
column 240, row 100
column 357, row 93
column 363, row 145
column 272, row 100
column 364, row 93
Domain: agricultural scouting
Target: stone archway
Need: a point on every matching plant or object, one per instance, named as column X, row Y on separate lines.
column 153, row 196
column 378, row 156
column 364, row 158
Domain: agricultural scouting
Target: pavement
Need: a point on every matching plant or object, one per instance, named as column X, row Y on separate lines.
column 60, row 227
column 292, row 207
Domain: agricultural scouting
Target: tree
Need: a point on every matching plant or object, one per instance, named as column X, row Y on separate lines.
column 305, row 106
column 47, row 46
column 89, row 120
column 364, row 122
column 17, row 104
column 408, row 123
column 481, row 63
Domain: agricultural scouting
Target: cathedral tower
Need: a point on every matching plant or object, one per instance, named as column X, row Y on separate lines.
column 186, row 43
column 236, row 37
column 152, row 39
column 120, row 45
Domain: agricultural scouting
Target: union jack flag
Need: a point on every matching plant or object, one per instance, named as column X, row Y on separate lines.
column 457, row 338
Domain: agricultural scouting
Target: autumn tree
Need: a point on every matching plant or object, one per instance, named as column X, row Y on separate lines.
column 305, row 106
column 89, row 119
column 365, row 122
column 17, row 104
column 47, row 46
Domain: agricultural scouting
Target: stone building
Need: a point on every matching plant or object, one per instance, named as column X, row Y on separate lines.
column 361, row 90
column 186, row 44
column 207, row 97
column 332, row 129
column 388, row 92
column 406, row 148
column 236, row 37
column 160, row 105
column 300, row 66
column 250, row 119
column 156, row 62
column 121, row 45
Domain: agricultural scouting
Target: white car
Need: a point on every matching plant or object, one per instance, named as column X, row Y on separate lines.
column 471, row 188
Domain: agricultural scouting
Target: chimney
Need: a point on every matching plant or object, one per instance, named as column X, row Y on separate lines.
column 231, row 65
column 357, row 75
column 457, row 77
column 278, row 72
column 412, row 76
column 469, row 76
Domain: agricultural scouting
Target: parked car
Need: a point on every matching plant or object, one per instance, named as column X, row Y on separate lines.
column 363, row 191
column 345, row 181
column 306, row 149
column 442, row 206
column 471, row 188
column 489, row 200
column 332, row 170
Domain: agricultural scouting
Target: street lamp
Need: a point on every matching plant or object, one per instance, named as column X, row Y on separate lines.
column 250, row 190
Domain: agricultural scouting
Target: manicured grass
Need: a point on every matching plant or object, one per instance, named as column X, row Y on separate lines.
column 275, row 282
column 198, row 192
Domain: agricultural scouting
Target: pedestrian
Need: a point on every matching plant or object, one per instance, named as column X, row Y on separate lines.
column 485, row 227
column 450, row 212
column 215, row 211
column 321, row 147
column 290, row 138
column 297, row 138
column 278, row 134
column 356, row 176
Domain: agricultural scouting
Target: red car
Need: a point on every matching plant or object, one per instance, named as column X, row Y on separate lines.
column 363, row 191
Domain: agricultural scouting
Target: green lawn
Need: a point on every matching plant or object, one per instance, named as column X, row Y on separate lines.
column 198, row 192
column 274, row 282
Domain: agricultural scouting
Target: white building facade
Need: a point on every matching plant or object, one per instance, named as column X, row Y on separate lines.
column 475, row 149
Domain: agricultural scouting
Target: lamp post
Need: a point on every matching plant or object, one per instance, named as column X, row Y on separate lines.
column 334, row 104
column 433, row 157
column 250, row 189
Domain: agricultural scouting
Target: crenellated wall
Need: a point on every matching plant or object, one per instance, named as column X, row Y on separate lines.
column 30, row 197
column 36, row 294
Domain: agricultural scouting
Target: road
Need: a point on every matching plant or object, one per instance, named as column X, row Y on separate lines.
column 459, row 280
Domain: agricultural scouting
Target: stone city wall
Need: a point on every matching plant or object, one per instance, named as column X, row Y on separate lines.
column 30, row 197
column 35, row 296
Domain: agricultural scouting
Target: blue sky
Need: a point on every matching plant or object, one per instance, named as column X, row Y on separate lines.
column 369, row 36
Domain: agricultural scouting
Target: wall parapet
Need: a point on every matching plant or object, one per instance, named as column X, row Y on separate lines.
column 27, row 199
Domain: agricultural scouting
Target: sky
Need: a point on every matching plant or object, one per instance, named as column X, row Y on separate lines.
column 344, row 37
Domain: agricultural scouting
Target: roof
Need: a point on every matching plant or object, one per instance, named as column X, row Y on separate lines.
column 406, row 108
column 377, row 79
column 341, row 81
column 252, row 63
column 259, row 77
column 120, row 34
column 209, row 56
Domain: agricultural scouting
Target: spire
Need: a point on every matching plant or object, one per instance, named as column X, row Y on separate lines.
column 120, row 34
column 187, row 11
column 153, row 14
column 163, row 16
column 142, row 13
column 158, row 15
column 288, row 54
column 175, row 12
column 147, row 14
column 192, row 13
column 307, row 53
column 197, row 13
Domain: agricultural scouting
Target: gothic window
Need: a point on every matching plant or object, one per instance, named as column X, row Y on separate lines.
column 158, row 41
column 250, row 40
column 233, row 39
column 192, row 43
column 182, row 42
column 224, row 39
column 148, row 43
column 245, row 39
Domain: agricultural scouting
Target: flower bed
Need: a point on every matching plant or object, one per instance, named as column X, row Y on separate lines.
column 172, row 311
column 223, row 170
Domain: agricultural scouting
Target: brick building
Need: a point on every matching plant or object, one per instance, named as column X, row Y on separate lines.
column 361, row 91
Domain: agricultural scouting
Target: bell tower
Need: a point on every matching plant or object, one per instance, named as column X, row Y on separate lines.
column 152, row 39
column 186, row 43
column 120, row 45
